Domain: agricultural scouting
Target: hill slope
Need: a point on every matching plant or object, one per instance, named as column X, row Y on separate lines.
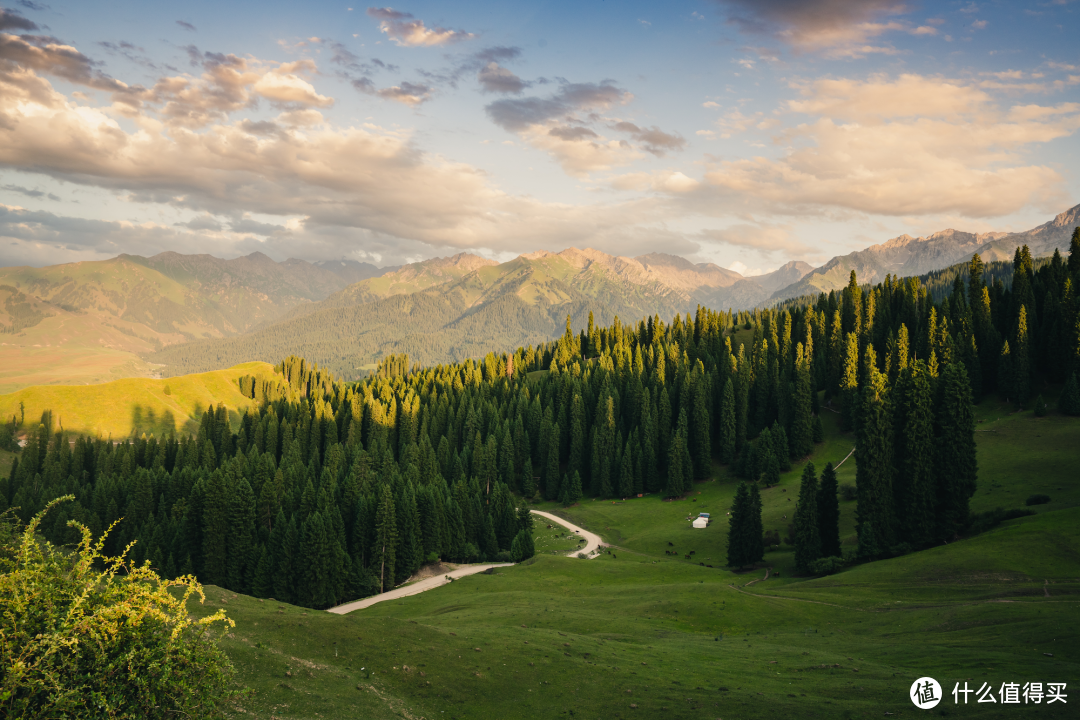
column 91, row 321
column 906, row 256
column 465, row 306
column 135, row 405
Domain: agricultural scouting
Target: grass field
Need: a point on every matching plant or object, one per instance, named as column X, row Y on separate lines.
column 135, row 405
column 559, row 637
column 74, row 349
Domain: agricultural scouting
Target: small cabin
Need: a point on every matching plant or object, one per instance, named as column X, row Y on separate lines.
column 701, row 522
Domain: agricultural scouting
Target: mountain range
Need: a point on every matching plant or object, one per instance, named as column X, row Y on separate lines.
column 174, row 313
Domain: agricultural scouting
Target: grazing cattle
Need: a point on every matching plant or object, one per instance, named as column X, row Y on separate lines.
column 671, row 544
column 687, row 557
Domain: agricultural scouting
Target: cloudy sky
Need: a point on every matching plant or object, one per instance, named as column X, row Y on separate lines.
column 742, row 132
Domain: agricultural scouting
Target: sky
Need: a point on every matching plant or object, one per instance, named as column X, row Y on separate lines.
column 747, row 133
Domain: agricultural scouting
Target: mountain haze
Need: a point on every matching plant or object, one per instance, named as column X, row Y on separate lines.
column 907, row 256
column 464, row 306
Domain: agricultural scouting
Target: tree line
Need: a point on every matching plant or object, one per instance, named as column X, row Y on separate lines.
column 333, row 490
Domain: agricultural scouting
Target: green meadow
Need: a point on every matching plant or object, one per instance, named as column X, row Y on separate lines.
column 641, row 633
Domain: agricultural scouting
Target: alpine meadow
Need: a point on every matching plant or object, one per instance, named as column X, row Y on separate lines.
column 718, row 359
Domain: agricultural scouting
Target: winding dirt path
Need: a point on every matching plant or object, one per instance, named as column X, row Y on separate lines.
column 592, row 544
column 415, row 588
column 592, row 540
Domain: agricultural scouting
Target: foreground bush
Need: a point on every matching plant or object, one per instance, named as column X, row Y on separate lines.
column 88, row 636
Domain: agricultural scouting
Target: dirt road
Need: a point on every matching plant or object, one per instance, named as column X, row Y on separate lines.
column 592, row 540
column 415, row 588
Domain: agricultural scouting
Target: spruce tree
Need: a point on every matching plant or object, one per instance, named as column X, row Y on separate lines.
column 956, row 463
column 528, row 480
column 802, row 429
column 755, row 542
column 808, row 547
column 828, row 507
column 1069, row 401
column 738, row 548
column 1021, row 360
column 914, row 487
column 874, row 467
column 849, row 381
column 573, row 491
column 727, row 424
column 383, row 553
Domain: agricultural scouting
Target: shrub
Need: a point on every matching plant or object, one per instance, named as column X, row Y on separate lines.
column 771, row 538
column 89, row 636
column 827, row 565
column 168, row 390
column 981, row 522
column 1037, row 500
column 848, row 492
column 1069, row 400
column 1040, row 407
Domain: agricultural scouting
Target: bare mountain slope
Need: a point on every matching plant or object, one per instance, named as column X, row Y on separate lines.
column 907, row 256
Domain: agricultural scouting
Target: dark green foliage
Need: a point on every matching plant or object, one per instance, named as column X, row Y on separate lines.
column 876, row 519
column 1037, row 500
column 828, row 507
column 827, row 565
column 297, row 501
column 741, row 549
column 808, row 545
column 1040, row 407
column 1069, row 401
column 956, row 463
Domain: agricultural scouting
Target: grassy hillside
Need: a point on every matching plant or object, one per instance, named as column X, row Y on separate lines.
column 91, row 322
column 135, row 405
column 438, row 312
column 559, row 637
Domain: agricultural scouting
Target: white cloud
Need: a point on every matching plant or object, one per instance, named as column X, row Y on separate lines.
column 908, row 146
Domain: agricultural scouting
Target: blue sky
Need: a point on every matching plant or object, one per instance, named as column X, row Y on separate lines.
column 738, row 132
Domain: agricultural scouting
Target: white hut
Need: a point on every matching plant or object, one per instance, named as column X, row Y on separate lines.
column 701, row 522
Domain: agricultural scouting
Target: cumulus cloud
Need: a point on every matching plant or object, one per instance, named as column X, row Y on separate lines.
column 335, row 188
column 653, row 139
column 48, row 55
column 560, row 125
column 838, row 27
column 516, row 114
column 10, row 20
column 866, row 150
column 405, row 30
column 411, row 94
column 882, row 97
column 496, row 79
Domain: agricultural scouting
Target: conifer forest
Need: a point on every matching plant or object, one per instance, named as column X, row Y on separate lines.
column 333, row 490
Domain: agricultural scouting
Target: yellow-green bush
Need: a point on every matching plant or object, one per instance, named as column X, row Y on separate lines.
column 88, row 636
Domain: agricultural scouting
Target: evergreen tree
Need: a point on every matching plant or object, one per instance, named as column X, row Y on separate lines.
column 522, row 548
column 1069, row 401
column 739, row 549
column 874, row 467
column 956, row 464
column 808, row 546
column 849, row 381
column 385, row 546
column 914, row 487
column 727, row 423
column 802, row 429
column 828, row 506
column 1021, row 368
column 755, row 541
column 528, row 481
